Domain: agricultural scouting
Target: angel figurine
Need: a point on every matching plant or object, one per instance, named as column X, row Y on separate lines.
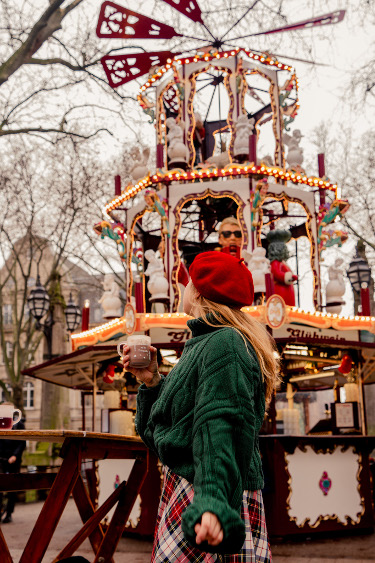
column 110, row 300
column 295, row 152
column 157, row 284
column 140, row 158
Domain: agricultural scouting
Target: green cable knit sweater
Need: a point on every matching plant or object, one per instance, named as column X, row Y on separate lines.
column 203, row 422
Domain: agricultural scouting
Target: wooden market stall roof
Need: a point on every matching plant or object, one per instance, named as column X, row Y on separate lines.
column 78, row 370
column 75, row 370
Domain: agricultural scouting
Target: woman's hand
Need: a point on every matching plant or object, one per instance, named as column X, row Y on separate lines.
column 150, row 376
column 209, row 530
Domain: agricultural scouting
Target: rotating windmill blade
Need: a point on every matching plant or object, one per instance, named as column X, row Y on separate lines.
column 121, row 23
column 118, row 22
column 189, row 8
column 120, row 69
column 328, row 19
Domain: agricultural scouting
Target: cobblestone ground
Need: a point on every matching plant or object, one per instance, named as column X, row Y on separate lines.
column 351, row 549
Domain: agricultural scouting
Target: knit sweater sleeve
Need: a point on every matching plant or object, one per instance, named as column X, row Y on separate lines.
column 146, row 397
column 223, row 439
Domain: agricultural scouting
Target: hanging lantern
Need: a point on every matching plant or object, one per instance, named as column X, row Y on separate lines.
column 38, row 301
column 72, row 314
column 359, row 272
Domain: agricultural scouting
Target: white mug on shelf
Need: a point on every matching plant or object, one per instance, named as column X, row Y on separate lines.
column 7, row 412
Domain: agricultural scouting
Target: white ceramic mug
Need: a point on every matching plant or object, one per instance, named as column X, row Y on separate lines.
column 139, row 353
column 7, row 413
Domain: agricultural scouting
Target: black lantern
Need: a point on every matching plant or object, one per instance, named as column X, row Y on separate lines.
column 38, row 301
column 359, row 273
column 39, row 305
column 73, row 315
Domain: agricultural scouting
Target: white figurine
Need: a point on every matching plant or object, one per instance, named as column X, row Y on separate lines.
column 335, row 288
column 110, row 300
column 157, row 284
column 266, row 160
column 140, row 167
column 259, row 266
column 295, row 152
column 244, row 127
column 177, row 150
column 219, row 160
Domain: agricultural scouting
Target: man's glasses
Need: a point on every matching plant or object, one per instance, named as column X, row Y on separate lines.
column 227, row 234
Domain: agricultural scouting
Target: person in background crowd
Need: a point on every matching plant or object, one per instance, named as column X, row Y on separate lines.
column 230, row 237
column 10, row 462
column 203, row 421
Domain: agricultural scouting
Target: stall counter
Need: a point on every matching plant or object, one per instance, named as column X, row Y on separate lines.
column 317, row 484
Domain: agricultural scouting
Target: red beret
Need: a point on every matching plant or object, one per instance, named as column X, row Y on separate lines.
column 222, row 278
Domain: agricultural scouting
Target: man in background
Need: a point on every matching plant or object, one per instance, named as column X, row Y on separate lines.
column 230, row 236
column 10, row 462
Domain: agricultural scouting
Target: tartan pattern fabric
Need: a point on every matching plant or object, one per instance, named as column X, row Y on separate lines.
column 170, row 545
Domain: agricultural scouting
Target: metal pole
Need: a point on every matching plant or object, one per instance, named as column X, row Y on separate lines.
column 93, row 397
column 298, row 298
column 83, row 410
column 362, row 403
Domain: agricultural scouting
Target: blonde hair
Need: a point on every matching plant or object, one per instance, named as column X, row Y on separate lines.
column 229, row 221
column 249, row 329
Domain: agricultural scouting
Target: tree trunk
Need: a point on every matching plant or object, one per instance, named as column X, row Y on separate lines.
column 55, row 413
column 17, row 396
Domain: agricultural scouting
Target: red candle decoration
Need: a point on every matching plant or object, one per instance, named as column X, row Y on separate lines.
column 365, row 302
column 86, row 316
column 270, row 289
column 321, row 173
column 253, row 148
column 321, row 165
column 117, row 185
column 159, row 156
column 139, row 303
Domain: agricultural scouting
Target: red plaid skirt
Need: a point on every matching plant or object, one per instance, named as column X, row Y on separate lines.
column 170, row 544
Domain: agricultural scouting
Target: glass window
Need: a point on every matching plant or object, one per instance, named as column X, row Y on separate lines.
column 7, row 314
column 28, row 395
column 9, row 350
column 2, row 394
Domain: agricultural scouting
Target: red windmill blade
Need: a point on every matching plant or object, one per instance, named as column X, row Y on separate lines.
column 121, row 69
column 120, row 23
column 327, row 19
column 189, row 8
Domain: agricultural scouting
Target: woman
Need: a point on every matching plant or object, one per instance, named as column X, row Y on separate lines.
column 203, row 421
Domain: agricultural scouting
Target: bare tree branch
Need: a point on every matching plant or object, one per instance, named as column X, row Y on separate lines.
column 26, row 130
column 48, row 23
